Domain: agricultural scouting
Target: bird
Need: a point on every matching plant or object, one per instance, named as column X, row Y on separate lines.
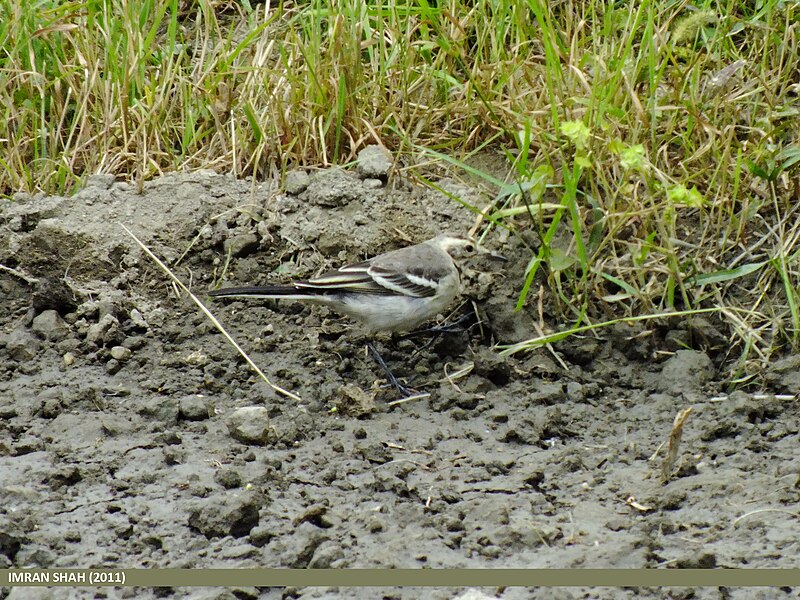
column 392, row 292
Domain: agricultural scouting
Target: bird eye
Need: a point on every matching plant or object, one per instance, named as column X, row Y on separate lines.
column 470, row 248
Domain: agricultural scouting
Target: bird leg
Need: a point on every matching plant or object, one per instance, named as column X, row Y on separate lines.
column 403, row 390
column 455, row 327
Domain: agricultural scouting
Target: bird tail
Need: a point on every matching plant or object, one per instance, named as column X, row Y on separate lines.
column 288, row 292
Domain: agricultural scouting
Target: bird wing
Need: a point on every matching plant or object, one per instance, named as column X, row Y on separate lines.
column 369, row 278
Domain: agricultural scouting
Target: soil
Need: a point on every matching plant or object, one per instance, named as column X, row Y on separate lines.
column 122, row 442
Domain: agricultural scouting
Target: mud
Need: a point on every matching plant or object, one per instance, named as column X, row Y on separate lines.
column 122, row 442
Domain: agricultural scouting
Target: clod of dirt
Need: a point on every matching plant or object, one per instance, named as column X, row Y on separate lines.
column 706, row 334
column 374, row 162
column 193, row 408
column 50, row 326
column 250, row 425
column 53, row 293
column 334, row 188
column 296, row 182
column 354, row 402
column 234, row 515
column 687, row 370
column 21, row 346
column 784, row 374
column 228, row 478
column 241, row 245
column 10, row 541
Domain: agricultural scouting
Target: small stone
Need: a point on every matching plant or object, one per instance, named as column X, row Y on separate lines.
column 72, row 535
column 296, row 182
column 241, row 245
column 250, row 425
column 197, row 359
column 120, row 353
column 103, row 331
column 50, row 326
column 374, row 162
column 193, row 408
column 174, row 455
column 372, row 184
column 376, row 525
column 137, row 319
column 315, row 514
column 113, row 366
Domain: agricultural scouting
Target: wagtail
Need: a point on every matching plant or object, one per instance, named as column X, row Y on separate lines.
column 395, row 291
column 391, row 292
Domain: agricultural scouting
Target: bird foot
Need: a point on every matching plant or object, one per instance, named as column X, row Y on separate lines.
column 404, row 391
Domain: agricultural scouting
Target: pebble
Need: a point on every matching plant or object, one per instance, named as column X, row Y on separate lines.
column 120, row 353
column 373, row 184
column 137, row 319
column 103, row 330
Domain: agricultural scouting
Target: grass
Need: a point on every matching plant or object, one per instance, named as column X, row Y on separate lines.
column 654, row 146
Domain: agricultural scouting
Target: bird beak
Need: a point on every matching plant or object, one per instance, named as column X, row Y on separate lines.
column 491, row 253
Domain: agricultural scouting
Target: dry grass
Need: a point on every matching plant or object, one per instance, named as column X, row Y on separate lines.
column 666, row 137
